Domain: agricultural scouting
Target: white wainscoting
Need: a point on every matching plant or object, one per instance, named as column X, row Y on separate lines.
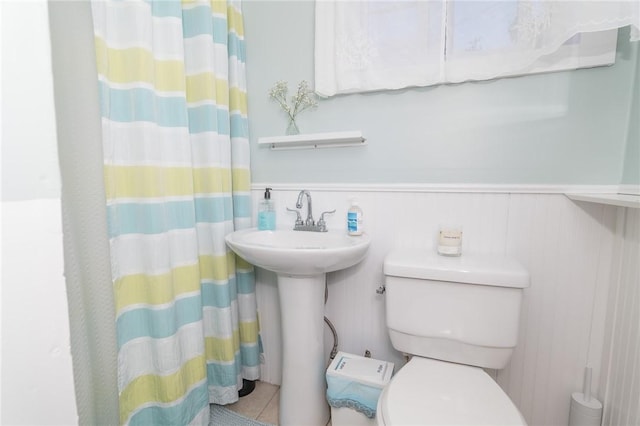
column 566, row 245
column 621, row 366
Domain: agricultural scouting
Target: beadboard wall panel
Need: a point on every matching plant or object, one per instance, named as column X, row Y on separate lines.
column 622, row 375
column 561, row 243
column 565, row 245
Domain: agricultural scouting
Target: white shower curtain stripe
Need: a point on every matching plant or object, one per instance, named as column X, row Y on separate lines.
column 141, row 143
column 133, row 357
column 148, row 254
column 170, row 180
column 218, row 325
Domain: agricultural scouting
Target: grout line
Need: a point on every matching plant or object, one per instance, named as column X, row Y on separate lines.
column 269, row 402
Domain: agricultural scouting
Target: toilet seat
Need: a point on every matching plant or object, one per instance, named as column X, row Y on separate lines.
column 432, row 392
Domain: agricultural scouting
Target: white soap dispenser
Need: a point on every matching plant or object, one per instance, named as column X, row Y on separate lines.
column 354, row 218
column 267, row 213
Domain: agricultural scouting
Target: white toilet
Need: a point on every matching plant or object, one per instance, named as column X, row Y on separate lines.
column 455, row 316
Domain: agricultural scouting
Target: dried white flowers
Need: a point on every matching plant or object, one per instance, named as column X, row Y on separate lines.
column 304, row 99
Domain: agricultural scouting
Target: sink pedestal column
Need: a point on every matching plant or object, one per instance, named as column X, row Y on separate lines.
column 303, row 389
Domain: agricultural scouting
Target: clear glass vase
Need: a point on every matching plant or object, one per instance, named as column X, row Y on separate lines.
column 292, row 127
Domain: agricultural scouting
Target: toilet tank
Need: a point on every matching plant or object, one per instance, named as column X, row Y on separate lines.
column 461, row 309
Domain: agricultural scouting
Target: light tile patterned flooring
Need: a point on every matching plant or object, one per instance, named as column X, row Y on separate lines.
column 261, row 404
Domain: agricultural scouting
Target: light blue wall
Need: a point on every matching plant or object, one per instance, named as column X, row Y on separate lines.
column 558, row 128
column 631, row 172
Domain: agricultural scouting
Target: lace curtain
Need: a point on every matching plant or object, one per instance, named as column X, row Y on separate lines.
column 374, row 45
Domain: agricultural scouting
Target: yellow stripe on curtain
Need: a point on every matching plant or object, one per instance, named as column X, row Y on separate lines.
column 238, row 100
column 236, row 23
column 156, row 289
column 209, row 180
column 216, row 268
column 164, row 389
column 137, row 64
column 147, row 181
column 206, row 87
column 241, row 179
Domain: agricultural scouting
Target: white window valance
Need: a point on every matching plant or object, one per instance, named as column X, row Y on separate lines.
column 374, row 45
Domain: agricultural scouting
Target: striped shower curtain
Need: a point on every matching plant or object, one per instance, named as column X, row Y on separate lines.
column 176, row 169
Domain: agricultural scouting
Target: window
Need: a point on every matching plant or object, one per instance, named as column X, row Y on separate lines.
column 374, row 45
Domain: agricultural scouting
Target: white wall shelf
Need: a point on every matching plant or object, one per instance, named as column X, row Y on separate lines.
column 314, row 140
column 622, row 200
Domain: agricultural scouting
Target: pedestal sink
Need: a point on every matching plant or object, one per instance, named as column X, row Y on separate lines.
column 301, row 260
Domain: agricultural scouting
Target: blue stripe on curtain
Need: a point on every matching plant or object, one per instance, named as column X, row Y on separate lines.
column 201, row 119
column 197, row 21
column 239, row 126
column 214, row 209
column 164, row 8
column 158, row 323
column 242, row 205
column 220, row 31
column 246, row 282
column 226, row 374
column 142, row 104
column 218, row 295
column 150, row 218
column 236, row 47
column 250, row 355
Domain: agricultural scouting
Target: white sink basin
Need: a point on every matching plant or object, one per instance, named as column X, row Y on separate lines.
column 301, row 260
column 298, row 253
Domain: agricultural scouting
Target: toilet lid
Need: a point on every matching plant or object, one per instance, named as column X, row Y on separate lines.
column 431, row 392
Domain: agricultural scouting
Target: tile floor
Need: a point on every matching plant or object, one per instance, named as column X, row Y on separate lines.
column 261, row 404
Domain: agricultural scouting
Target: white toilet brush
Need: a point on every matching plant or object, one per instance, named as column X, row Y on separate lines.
column 585, row 410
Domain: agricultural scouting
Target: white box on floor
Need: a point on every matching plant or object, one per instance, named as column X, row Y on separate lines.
column 354, row 384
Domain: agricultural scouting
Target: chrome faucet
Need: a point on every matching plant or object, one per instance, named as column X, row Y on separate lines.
column 309, row 224
column 309, row 221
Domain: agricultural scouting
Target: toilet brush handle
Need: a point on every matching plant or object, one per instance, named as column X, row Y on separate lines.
column 586, row 387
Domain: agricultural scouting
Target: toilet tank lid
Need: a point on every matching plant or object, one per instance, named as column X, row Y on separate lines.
column 494, row 270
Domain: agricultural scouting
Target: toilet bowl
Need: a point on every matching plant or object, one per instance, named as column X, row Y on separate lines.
column 454, row 316
column 431, row 392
